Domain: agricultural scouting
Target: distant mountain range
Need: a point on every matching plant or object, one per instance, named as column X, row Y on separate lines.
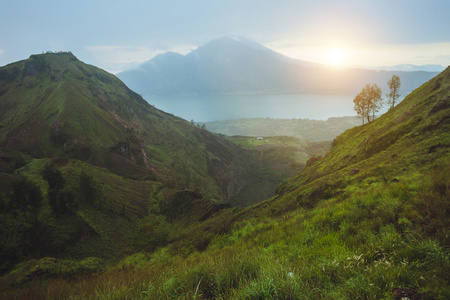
column 411, row 68
column 239, row 66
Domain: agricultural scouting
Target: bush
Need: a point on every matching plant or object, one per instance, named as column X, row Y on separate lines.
column 89, row 189
column 91, row 264
column 27, row 197
column 54, row 177
column 52, row 267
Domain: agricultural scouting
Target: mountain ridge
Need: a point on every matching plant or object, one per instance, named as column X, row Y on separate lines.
column 70, row 109
column 88, row 167
column 227, row 65
column 410, row 67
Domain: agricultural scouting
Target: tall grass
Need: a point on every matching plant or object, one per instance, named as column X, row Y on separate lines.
column 359, row 245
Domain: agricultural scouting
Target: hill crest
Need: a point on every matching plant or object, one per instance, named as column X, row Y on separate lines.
column 53, row 105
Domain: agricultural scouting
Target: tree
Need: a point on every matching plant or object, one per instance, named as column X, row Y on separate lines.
column 360, row 106
column 368, row 102
column 376, row 101
column 394, row 87
column 26, row 197
column 54, row 177
column 60, row 201
column 59, row 198
column 89, row 189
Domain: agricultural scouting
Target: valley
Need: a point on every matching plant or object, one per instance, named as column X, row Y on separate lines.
column 303, row 129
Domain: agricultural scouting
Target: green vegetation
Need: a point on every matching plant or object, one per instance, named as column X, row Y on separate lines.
column 366, row 220
column 280, row 157
column 86, row 164
column 358, row 246
column 55, row 106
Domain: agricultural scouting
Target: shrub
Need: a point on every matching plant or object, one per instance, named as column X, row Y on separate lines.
column 91, row 264
column 52, row 267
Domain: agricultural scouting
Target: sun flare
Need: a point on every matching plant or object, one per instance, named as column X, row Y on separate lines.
column 335, row 56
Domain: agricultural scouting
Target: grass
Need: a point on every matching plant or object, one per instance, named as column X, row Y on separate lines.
column 347, row 247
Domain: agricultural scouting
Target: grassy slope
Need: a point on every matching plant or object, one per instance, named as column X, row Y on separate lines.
column 405, row 140
column 75, row 100
column 53, row 105
column 57, row 110
column 369, row 217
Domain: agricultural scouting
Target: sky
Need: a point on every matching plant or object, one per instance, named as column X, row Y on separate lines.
column 120, row 34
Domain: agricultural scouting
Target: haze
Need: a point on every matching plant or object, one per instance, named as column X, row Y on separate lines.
column 118, row 35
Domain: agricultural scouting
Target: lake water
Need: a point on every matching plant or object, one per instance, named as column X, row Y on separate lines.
column 207, row 108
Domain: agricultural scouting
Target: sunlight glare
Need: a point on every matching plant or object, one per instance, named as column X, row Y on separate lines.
column 335, row 56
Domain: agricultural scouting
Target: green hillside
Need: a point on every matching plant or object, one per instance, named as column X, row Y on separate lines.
column 408, row 140
column 53, row 105
column 89, row 169
column 368, row 220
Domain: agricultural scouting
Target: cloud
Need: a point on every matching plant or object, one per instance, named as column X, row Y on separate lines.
column 118, row 58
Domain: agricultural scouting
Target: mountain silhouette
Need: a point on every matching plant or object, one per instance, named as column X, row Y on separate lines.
column 238, row 66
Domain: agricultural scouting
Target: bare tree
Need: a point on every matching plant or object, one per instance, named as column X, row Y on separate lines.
column 394, row 86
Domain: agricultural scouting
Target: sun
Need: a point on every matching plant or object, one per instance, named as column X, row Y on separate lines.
column 335, row 56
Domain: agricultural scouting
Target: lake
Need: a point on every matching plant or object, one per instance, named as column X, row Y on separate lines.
column 208, row 108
